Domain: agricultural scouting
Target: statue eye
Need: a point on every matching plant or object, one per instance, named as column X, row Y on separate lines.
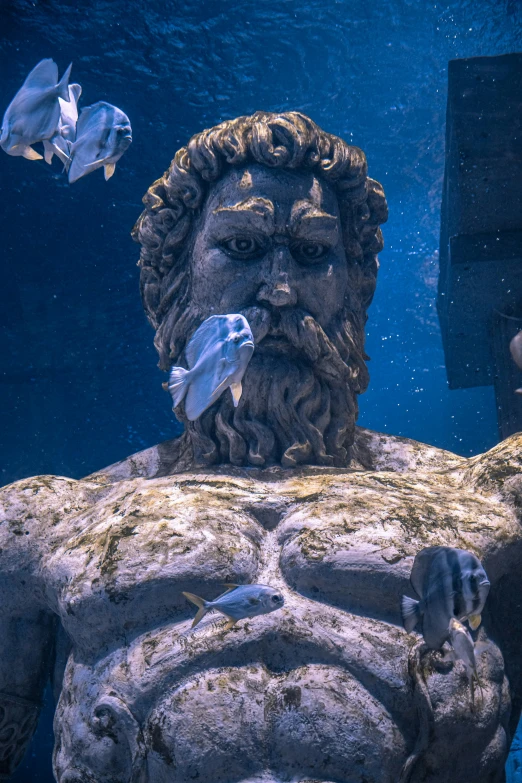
column 243, row 247
column 309, row 252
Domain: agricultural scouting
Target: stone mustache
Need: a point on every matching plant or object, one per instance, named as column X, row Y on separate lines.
column 271, row 217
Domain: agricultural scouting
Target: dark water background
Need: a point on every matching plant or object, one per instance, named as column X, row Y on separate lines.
column 78, row 379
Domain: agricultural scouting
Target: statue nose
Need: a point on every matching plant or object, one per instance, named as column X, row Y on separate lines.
column 278, row 289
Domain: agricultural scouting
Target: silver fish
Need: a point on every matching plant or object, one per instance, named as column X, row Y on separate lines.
column 34, row 113
column 515, row 346
column 217, row 355
column 238, row 602
column 60, row 143
column 103, row 133
column 451, row 583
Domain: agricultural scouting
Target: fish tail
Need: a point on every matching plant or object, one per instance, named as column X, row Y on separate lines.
column 411, row 612
column 203, row 607
column 62, row 88
column 178, row 384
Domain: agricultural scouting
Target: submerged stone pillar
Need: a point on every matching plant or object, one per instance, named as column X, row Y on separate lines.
column 480, row 283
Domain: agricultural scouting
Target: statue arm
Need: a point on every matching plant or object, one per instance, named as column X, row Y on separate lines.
column 27, row 625
column 498, row 474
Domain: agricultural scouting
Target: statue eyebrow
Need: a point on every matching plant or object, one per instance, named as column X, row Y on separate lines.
column 309, row 222
column 256, row 213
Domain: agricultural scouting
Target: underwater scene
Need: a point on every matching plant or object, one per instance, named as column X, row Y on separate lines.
column 261, row 420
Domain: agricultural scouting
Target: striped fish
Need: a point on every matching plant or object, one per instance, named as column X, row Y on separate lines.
column 450, row 583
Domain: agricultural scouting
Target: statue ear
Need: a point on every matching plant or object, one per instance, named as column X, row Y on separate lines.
column 112, row 718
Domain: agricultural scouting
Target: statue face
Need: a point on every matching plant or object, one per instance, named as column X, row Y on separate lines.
column 270, row 238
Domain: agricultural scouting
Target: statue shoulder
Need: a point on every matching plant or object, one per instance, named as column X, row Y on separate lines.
column 165, row 459
column 499, row 471
column 35, row 513
column 380, row 451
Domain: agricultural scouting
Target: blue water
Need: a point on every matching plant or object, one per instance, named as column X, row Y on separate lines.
column 78, row 379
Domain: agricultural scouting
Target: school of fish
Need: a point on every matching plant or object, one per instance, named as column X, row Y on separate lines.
column 45, row 110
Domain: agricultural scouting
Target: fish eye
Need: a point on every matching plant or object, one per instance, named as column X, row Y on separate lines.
column 277, row 598
column 236, row 338
column 308, row 253
column 243, row 247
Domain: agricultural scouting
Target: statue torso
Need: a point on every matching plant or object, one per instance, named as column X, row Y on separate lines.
column 323, row 688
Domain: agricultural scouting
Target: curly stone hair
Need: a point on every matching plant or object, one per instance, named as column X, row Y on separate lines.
column 288, row 140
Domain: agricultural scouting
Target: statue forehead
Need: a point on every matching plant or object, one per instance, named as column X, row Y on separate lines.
column 282, row 187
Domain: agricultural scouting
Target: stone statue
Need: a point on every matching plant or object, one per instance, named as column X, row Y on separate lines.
column 271, row 217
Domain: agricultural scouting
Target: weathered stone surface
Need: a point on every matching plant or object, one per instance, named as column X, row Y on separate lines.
column 284, row 490
column 322, row 689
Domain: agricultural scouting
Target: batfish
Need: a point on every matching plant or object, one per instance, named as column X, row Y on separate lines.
column 217, row 355
column 103, row 133
column 34, row 113
column 451, row 583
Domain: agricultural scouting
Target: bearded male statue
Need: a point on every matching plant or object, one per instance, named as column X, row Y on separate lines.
column 271, row 217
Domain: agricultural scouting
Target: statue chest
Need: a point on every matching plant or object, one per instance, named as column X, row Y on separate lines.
column 342, row 539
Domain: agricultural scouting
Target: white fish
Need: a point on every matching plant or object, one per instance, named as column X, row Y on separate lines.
column 451, row 583
column 34, row 113
column 103, row 133
column 515, row 346
column 238, row 602
column 217, row 355
column 60, row 143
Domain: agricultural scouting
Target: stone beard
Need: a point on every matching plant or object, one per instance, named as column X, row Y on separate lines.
column 295, row 252
column 299, row 397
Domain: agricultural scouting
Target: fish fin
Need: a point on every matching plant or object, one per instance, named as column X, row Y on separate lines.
column 43, row 75
column 76, row 170
column 108, row 170
column 474, row 621
column 177, row 385
column 61, row 150
column 421, row 565
column 201, row 395
column 236, row 390
column 75, row 90
column 202, row 607
column 207, row 332
column 230, row 585
column 230, row 624
column 31, row 154
column 49, row 151
column 85, row 115
column 410, row 612
column 62, row 88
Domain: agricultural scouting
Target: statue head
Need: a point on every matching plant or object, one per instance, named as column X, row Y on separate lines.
column 271, row 217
